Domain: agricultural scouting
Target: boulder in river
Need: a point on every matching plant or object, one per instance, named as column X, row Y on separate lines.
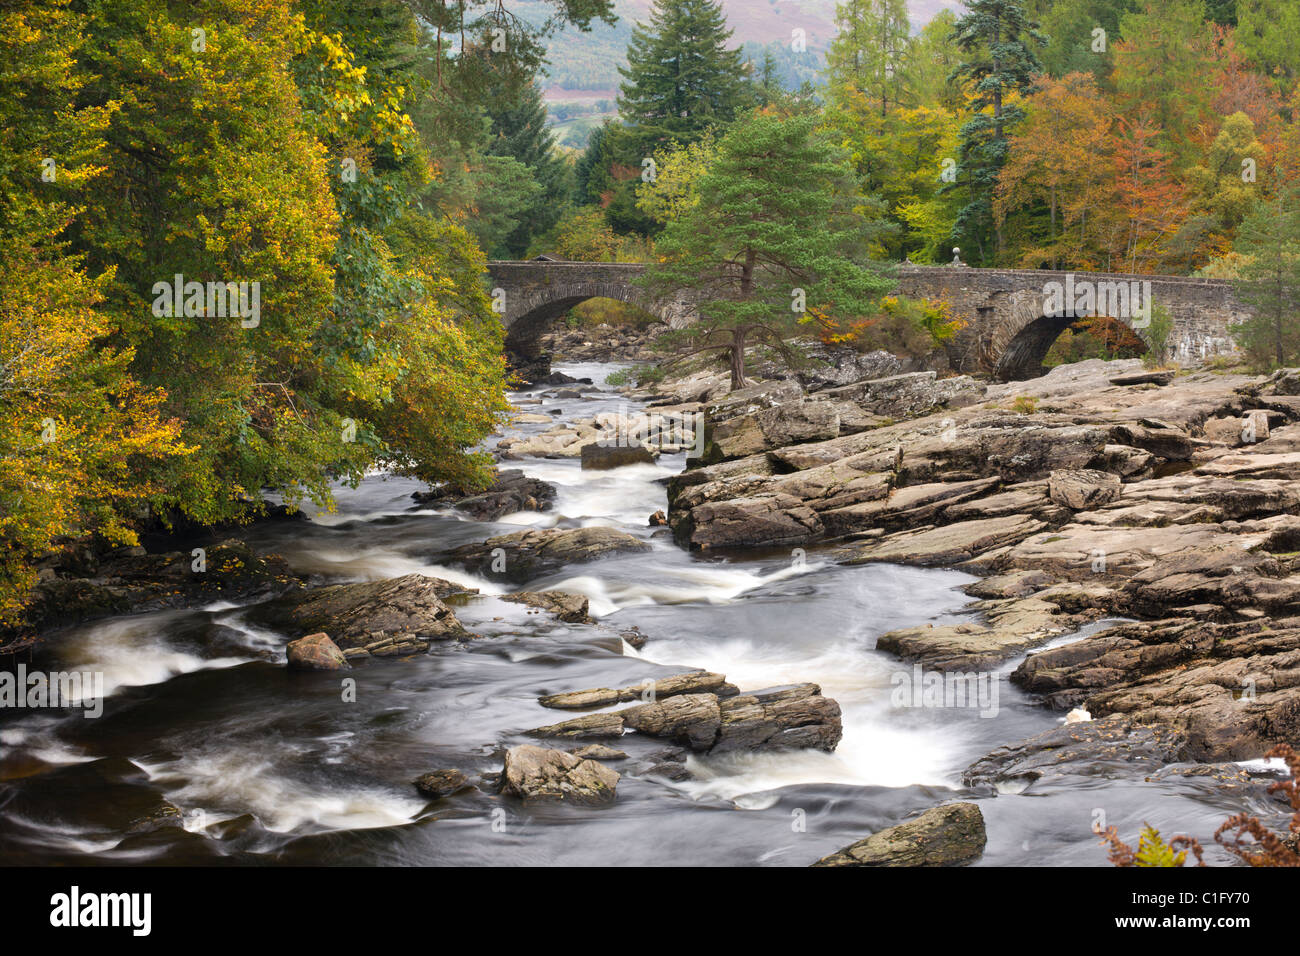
column 951, row 835
column 523, row 555
column 388, row 618
column 566, row 606
column 441, row 783
column 716, row 721
column 315, row 652
column 537, row 774
column 599, row 457
column 692, row 682
column 512, row 491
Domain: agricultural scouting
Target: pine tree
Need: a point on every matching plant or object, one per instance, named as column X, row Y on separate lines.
column 1270, row 281
column 681, row 78
column 998, row 41
column 519, row 130
column 774, row 240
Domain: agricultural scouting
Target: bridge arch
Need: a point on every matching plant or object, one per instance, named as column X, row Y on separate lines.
column 533, row 295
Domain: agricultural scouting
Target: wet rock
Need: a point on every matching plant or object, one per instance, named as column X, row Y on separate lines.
column 512, row 491
column 315, row 652
column 599, row 752
column 389, row 618
column 1008, row 629
column 775, row 719
column 568, row 607
column 693, row 682
column 951, row 835
column 441, row 783
column 528, row 554
column 780, row 718
column 1229, row 690
column 597, row 456
column 634, row 636
column 166, row 817
column 657, row 520
column 88, row 585
column 669, row 763
column 691, row 720
column 1096, row 747
column 536, row 774
column 586, row 726
column 770, row 520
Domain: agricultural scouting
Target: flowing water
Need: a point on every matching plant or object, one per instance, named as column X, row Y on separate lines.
column 272, row 766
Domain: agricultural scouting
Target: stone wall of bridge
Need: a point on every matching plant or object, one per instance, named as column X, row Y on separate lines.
column 1008, row 328
column 1008, row 325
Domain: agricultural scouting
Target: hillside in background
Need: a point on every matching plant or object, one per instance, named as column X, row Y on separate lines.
column 582, row 78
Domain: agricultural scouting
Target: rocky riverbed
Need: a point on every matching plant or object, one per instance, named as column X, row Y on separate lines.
column 852, row 613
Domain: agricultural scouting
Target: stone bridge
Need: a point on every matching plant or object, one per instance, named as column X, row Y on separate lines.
column 1011, row 316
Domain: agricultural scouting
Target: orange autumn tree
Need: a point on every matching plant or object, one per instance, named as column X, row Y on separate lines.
column 1150, row 203
column 1059, row 157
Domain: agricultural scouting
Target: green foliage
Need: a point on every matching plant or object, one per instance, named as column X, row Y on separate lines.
column 1072, row 46
column 1268, row 34
column 868, row 55
column 998, row 43
column 1156, row 336
column 331, row 153
column 519, row 131
column 779, row 224
column 584, row 235
column 1269, row 281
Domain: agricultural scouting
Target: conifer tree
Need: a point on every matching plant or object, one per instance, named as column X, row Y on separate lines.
column 681, row 78
column 998, row 40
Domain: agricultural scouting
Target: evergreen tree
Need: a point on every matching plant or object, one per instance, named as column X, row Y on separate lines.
column 680, row 77
column 1270, row 281
column 773, row 241
column 997, row 39
column 519, row 131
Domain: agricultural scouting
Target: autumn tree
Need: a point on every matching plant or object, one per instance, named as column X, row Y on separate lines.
column 81, row 440
column 1073, row 183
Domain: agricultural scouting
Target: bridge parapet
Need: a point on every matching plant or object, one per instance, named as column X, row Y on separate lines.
column 1011, row 315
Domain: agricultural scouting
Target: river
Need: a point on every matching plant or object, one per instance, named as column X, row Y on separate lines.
column 272, row 766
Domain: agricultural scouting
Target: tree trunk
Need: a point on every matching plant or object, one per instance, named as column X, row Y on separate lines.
column 738, row 359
